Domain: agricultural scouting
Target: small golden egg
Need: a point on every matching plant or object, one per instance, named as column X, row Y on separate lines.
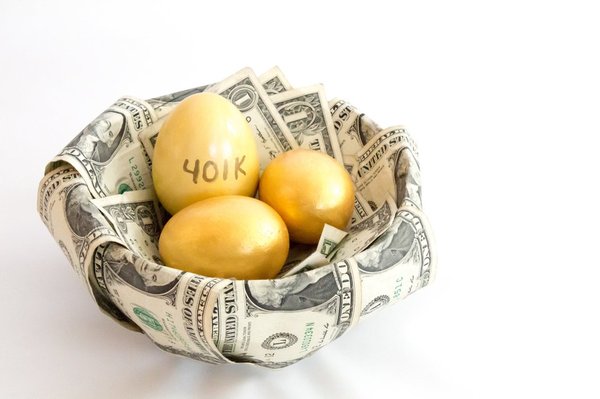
column 205, row 148
column 230, row 237
column 308, row 189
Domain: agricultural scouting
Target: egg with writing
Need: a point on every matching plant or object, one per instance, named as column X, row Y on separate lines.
column 229, row 237
column 205, row 148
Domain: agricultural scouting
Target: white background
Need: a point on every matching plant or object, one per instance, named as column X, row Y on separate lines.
column 503, row 99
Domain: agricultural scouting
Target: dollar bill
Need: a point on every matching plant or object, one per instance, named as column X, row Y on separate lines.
column 109, row 141
column 51, row 200
column 47, row 188
column 398, row 262
column 137, row 218
column 136, row 173
column 346, row 122
column 328, row 242
column 277, row 322
column 362, row 209
column 73, row 220
column 296, row 254
column 272, row 134
column 102, row 297
column 407, row 174
column 149, row 136
column 349, row 162
column 362, row 234
column 306, row 114
column 274, row 81
column 387, row 167
column 163, row 105
column 354, row 129
column 170, row 306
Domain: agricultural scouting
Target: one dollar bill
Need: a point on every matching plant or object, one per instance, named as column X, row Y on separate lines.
column 306, row 113
column 274, row 81
column 244, row 90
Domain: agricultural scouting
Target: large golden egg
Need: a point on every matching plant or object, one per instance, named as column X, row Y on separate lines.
column 308, row 189
column 205, row 148
column 230, row 237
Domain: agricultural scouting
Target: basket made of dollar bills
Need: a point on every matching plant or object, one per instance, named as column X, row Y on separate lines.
column 96, row 199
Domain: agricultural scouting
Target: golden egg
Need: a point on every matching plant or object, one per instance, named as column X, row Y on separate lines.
column 308, row 189
column 205, row 148
column 230, row 237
